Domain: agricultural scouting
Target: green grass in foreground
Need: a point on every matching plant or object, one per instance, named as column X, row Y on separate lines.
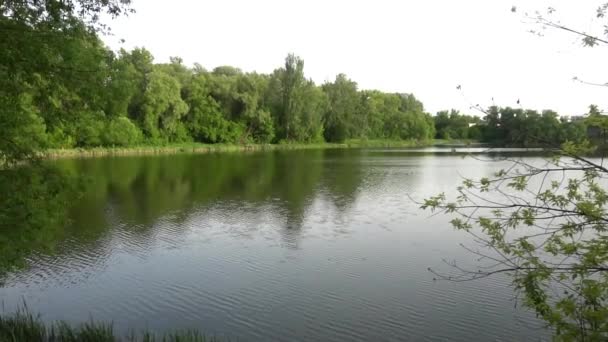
column 23, row 326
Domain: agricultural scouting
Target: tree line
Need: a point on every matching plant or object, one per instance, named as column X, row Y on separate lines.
column 75, row 92
column 61, row 87
column 171, row 103
column 507, row 126
column 66, row 89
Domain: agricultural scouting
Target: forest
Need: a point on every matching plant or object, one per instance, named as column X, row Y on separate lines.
column 66, row 89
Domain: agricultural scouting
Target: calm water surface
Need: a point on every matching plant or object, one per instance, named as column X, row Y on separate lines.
column 286, row 245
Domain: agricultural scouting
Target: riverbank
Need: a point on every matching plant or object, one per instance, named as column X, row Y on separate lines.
column 213, row 148
column 23, row 326
column 457, row 143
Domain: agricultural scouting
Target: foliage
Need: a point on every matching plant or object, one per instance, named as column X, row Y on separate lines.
column 33, row 12
column 296, row 105
column 592, row 36
column 453, row 125
column 51, row 66
column 528, row 128
column 205, row 119
column 407, row 120
column 545, row 225
column 162, row 107
column 343, row 103
column 60, row 87
column 121, row 131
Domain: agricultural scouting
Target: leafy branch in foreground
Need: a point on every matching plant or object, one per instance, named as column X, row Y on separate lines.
column 546, row 19
column 545, row 224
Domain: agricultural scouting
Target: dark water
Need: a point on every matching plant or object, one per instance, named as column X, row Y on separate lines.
column 289, row 245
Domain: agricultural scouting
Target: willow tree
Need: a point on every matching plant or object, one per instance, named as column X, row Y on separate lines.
column 163, row 108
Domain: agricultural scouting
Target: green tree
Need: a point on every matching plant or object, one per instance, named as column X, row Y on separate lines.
column 598, row 125
column 177, row 70
column 453, row 125
column 162, row 108
column 405, row 119
column 294, row 102
column 120, row 131
column 49, row 56
column 253, row 114
column 311, row 105
column 138, row 66
column 122, row 85
column 205, row 119
column 343, row 106
column 377, row 108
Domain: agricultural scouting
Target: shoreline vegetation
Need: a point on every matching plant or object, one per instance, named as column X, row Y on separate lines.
column 215, row 148
column 24, row 326
column 202, row 148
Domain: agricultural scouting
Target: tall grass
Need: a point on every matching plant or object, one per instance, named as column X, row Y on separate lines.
column 179, row 148
column 386, row 143
column 211, row 148
column 23, row 326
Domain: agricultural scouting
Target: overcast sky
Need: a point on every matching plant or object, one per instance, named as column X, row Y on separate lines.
column 424, row 47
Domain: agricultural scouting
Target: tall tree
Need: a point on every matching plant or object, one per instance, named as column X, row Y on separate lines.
column 294, row 103
column 205, row 119
column 291, row 79
column 162, row 108
column 343, row 106
column 41, row 44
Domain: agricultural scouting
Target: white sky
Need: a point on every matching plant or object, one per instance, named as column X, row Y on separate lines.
column 424, row 47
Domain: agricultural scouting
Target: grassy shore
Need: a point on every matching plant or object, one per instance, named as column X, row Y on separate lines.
column 211, row 148
column 23, row 326
column 456, row 142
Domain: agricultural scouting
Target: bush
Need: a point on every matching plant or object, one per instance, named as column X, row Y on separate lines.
column 88, row 129
column 58, row 138
column 121, row 132
column 263, row 127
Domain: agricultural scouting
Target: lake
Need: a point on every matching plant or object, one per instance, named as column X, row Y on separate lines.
column 302, row 245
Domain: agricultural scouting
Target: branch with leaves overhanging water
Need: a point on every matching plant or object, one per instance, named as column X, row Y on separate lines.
column 546, row 226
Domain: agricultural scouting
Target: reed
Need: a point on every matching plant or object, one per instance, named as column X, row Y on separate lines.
column 24, row 326
column 174, row 149
column 213, row 148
